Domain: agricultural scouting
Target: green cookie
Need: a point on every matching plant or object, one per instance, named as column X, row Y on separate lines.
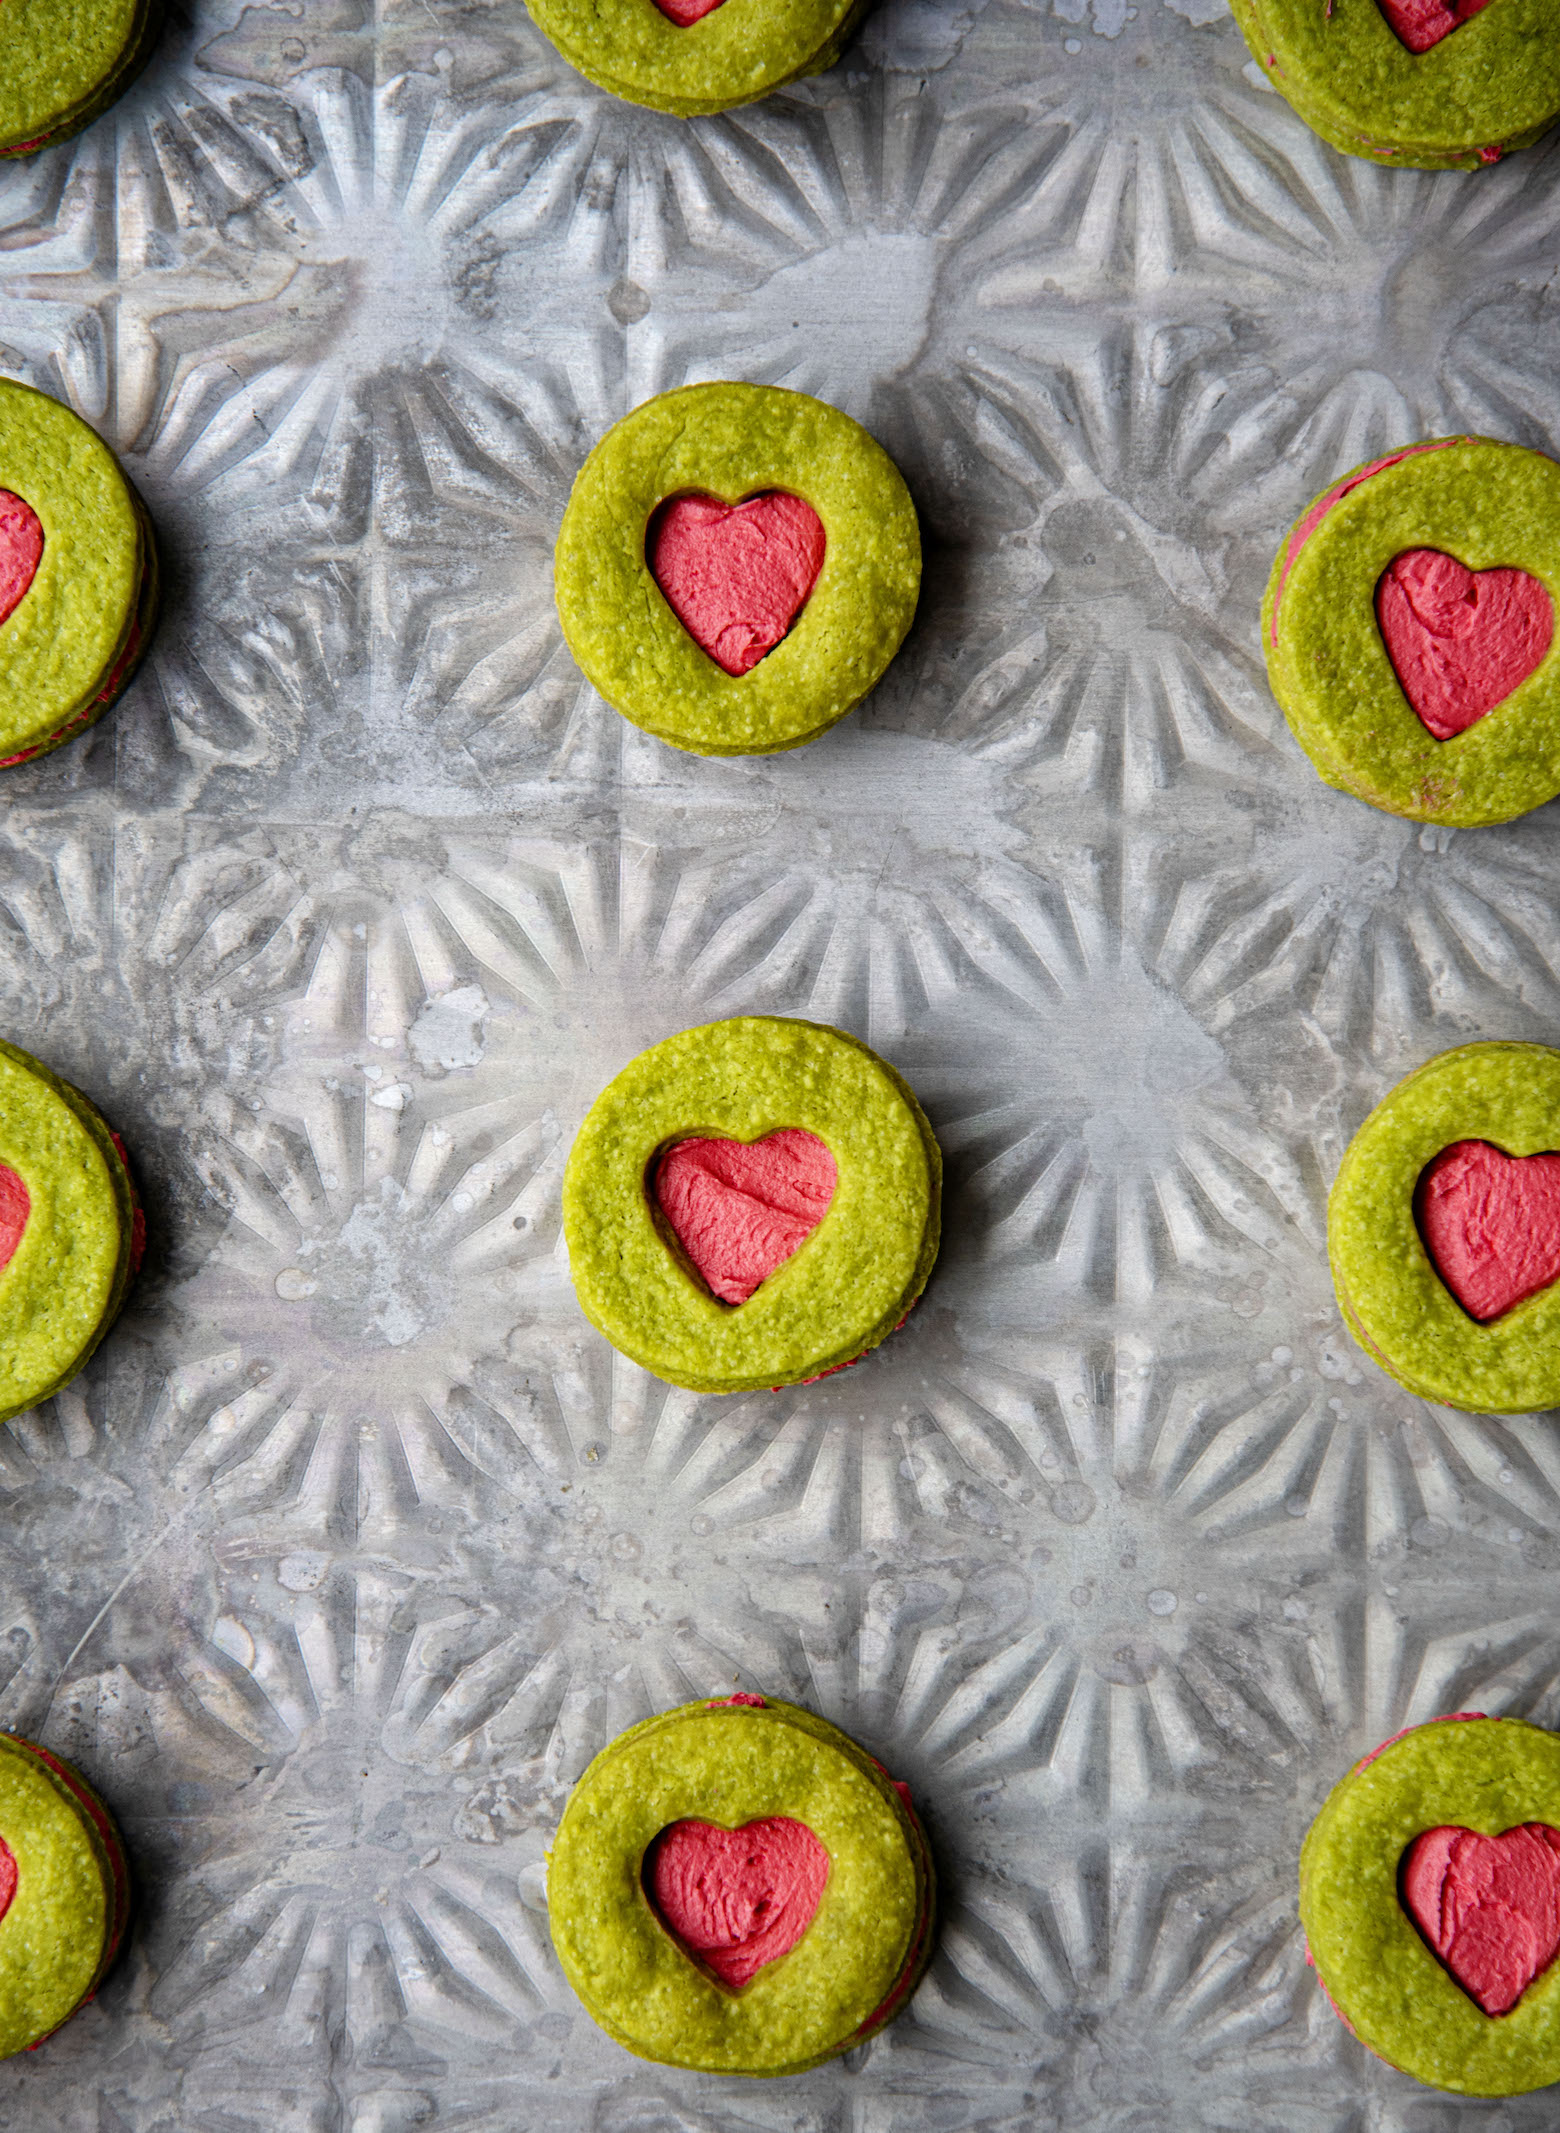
column 1489, row 505
column 739, row 52
column 734, row 442
column 66, row 61
column 1491, row 85
column 1484, row 1774
column 851, row 1282
column 64, row 1893
column 731, row 1764
column 70, row 646
column 1388, row 1288
column 65, row 1279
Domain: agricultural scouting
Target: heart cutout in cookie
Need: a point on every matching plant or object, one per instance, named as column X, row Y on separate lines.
column 1489, row 1907
column 737, row 1899
column 15, row 1207
column 1422, row 23
column 684, row 13
column 1491, row 1224
column 736, row 576
column 1460, row 640
column 21, row 550
column 739, row 1209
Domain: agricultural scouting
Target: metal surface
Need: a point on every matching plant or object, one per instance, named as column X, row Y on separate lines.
column 355, row 1543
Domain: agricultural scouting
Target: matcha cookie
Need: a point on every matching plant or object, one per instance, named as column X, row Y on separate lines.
column 1444, row 1230
column 752, row 1203
column 691, row 56
column 1409, row 630
column 1431, row 84
column 1430, row 1898
column 70, row 1231
column 78, row 575
column 736, row 567
column 65, row 61
column 64, row 1893
column 738, row 1888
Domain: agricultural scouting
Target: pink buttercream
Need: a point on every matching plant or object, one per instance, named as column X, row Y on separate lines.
column 21, row 550
column 7, row 1876
column 15, row 1207
column 1489, row 1907
column 736, row 576
column 1460, row 640
column 1491, row 1224
column 1333, row 496
column 687, row 12
column 1422, row 23
column 739, row 1209
column 737, row 1899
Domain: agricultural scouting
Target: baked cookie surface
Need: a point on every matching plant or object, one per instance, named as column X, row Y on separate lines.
column 687, row 59
column 64, row 1893
column 65, row 62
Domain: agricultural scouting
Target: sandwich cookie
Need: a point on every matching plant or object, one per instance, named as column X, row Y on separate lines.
column 1443, row 1227
column 736, row 567
column 71, row 1231
column 737, row 1887
column 752, row 1203
column 1409, row 629
column 1430, row 1898
column 66, row 61
column 691, row 56
column 1431, row 84
column 64, row 1893
column 78, row 575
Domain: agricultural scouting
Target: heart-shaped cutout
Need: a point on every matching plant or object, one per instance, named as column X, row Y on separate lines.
column 21, row 550
column 737, row 1899
column 1489, row 1907
column 684, row 13
column 736, row 576
column 1422, row 23
column 15, row 1207
column 1460, row 640
column 739, row 1209
column 1491, row 1224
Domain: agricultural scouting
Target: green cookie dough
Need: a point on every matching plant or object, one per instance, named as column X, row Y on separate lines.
column 854, row 1278
column 1482, row 1774
column 730, row 1764
column 1491, row 506
column 69, row 647
column 63, row 1286
column 742, row 50
column 1394, row 1300
column 62, row 1927
column 66, row 61
column 1491, row 85
column 733, row 442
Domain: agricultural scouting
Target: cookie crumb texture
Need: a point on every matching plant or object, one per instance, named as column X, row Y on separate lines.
column 1481, row 82
column 65, row 62
column 728, row 54
column 739, row 1766
column 727, row 444
column 69, row 1893
column 1491, row 510
column 1443, row 1787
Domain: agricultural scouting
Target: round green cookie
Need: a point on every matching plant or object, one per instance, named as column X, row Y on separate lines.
column 731, row 1764
column 71, row 644
column 1388, row 1288
column 64, row 1893
column 1490, row 85
column 65, row 61
column 1488, row 505
column 734, row 442
column 70, row 1231
column 740, row 51
column 1482, row 1774
column 847, row 1287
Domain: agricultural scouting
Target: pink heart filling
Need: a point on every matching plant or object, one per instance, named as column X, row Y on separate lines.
column 736, row 576
column 21, row 550
column 1422, row 23
column 737, row 1899
column 686, row 12
column 739, row 1209
column 1491, row 1224
column 1460, row 640
column 1489, row 1907
column 7, row 1876
column 15, row 1207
